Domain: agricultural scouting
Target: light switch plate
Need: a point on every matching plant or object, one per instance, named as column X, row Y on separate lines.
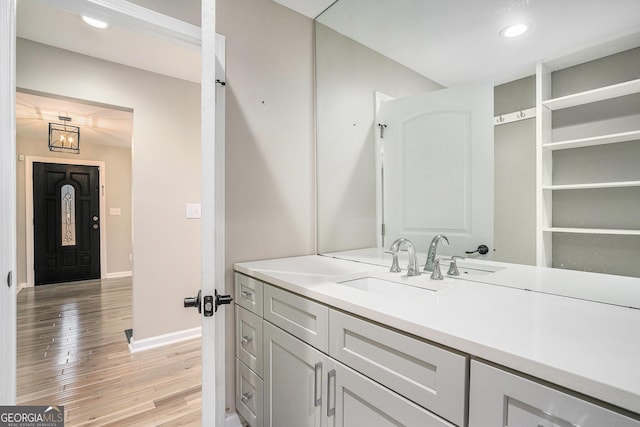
column 193, row 210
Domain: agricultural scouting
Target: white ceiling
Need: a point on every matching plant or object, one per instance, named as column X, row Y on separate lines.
column 43, row 23
column 99, row 124
column 457, row 41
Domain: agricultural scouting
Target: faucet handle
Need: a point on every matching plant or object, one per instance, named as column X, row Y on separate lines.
column 395, row 267
column 453, row 266
column 436, row 274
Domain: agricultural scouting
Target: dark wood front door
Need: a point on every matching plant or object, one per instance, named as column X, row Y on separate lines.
column 66, row 215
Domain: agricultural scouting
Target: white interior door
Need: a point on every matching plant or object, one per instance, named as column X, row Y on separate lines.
column 7, row 203
column 212, row 223
column 212, row 197
column 438, row 167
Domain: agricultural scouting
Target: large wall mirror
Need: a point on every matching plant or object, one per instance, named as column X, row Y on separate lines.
column 376, row 56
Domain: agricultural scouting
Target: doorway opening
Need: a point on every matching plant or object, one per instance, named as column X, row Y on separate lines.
column 106, row 138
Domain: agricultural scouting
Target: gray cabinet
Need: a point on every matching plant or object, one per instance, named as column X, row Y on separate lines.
column 249, row 360
column 501, row 399
column 318, row 366
column 303, row 387
column 295, row 381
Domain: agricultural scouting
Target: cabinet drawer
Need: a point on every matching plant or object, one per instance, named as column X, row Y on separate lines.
column 500, row 398
column 249, row 394
column 297, row 315
column 249, row 293
column 428, row 375
column 249, row 339
column 359, row 401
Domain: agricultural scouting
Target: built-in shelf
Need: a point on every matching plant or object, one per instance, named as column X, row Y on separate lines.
column 592, row 231
column 619, row 184
column 594, row 140
column 595, row 95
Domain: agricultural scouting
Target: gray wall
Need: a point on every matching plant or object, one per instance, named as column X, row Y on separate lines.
column 515, row 175
column 166, row 172
column 270, row 151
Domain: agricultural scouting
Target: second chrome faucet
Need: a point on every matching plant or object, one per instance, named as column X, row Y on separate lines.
column 431, row 255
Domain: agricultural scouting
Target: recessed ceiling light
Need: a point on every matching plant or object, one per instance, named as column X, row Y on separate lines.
column 95, row 22
column 513, row 30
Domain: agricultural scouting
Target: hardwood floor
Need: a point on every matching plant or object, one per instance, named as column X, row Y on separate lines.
column 72, row 351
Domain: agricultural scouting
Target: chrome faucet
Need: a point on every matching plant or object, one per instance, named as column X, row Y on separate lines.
column 431, row 255
column 412, row 269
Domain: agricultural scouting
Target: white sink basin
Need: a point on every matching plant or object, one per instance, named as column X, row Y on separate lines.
column 403, row 288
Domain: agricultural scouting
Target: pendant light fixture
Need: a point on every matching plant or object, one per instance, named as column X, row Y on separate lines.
column 64, row 137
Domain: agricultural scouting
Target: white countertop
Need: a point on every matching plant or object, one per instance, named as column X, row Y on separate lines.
column 589, row 347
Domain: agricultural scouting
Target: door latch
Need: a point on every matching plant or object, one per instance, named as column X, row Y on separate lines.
column 209, row 303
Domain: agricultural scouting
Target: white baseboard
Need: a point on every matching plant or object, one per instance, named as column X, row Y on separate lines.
column 21, row 286
column 161, row 340
column 232, row 420
column 119, row 274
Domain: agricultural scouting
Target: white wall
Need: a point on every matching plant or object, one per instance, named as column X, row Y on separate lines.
column 166, row 172
column 270, row 152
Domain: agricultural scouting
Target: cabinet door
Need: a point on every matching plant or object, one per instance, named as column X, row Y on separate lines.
column 294, row 381
column 500, row 399
column 355, row 400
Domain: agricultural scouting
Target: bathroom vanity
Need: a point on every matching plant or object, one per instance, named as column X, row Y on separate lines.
column 328, row 341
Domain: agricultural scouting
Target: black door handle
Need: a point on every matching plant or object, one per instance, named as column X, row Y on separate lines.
column 482, row 250
column 222, row 300
column 195, row 302
column 211, row 304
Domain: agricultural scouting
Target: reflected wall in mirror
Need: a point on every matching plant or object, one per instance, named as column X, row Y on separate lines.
column 593, row 225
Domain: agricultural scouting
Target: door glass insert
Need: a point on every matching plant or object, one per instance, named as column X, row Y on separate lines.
column 68, row 204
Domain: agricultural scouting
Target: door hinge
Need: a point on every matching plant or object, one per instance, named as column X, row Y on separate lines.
column 382, row 128
column 383, row 230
